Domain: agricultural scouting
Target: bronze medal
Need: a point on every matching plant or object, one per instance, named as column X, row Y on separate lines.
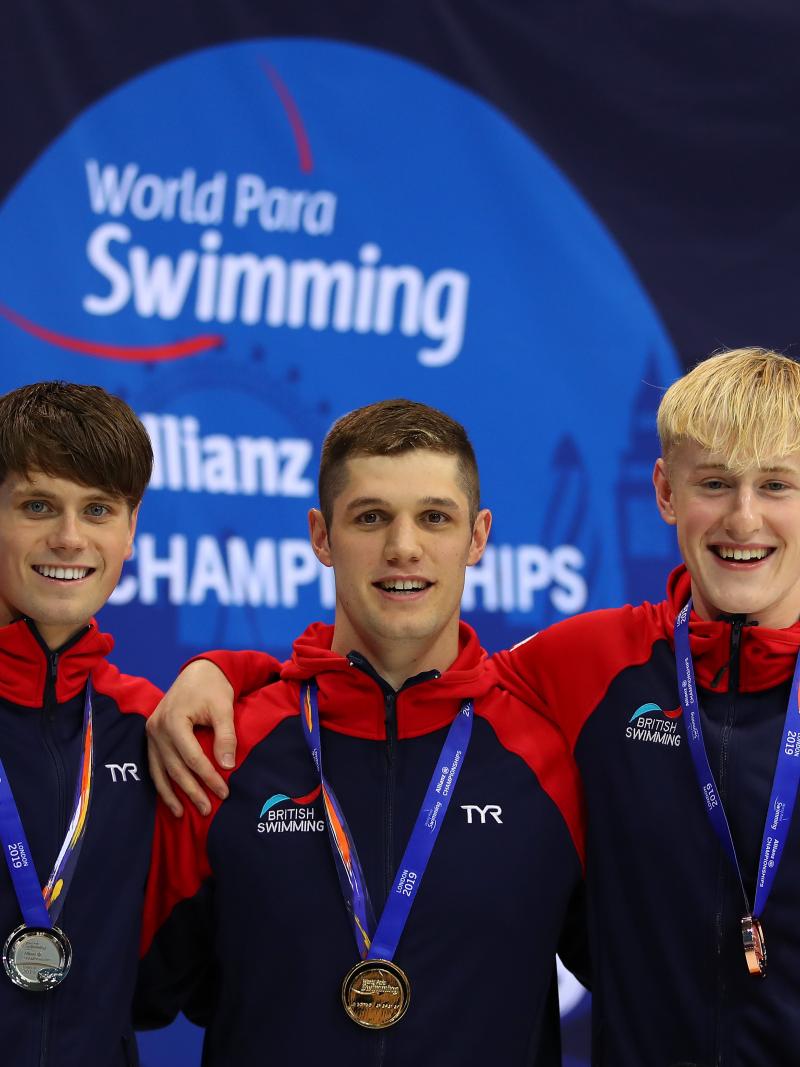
column 376, row 994
column 755, row 948
column 36, row 959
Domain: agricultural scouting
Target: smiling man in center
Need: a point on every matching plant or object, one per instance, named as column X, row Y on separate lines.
column 372, row 888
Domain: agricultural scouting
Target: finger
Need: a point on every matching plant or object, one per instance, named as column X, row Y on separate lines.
column 161, row 781
column 190, row 760
column 184, row 779
column 224, row 736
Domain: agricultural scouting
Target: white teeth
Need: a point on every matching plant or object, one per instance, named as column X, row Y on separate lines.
column 406, row 586
column 743, row 554
column 65, row 573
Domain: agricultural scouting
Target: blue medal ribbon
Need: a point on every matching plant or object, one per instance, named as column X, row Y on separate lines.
column 784, row 784
column 42, row 907
column 381, row 942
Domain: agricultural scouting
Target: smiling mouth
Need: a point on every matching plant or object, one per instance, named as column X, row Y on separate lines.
column 741, row 555
column 403, row 585
column 64, row 574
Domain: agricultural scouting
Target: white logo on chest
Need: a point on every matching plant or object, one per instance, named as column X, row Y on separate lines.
column 124, row 770
column 490, row 809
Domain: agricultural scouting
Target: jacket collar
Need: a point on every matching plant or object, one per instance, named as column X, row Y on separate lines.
column 767, row 657
column 353, row 701
column 25, row 663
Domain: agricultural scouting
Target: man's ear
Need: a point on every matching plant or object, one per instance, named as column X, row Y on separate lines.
column 480, row 535
column 132, row 530
column 318, row 532
column 664, row 495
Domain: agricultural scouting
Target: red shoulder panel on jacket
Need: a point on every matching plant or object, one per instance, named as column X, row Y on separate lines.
column 131, row 694
column 180, row 859
column 541, row 745
column 564, row 671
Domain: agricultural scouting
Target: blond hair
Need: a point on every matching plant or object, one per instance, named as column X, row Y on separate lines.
column 743, row 404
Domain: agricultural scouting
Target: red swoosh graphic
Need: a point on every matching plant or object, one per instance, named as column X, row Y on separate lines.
column 676, row 714
column 309, row 797
column 193, row 346
column 293, row 115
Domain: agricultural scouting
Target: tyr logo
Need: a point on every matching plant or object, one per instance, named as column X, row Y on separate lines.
column 491, row 809
column 123, row 770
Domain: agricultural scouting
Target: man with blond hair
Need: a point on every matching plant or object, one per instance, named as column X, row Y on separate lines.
column 683, row 720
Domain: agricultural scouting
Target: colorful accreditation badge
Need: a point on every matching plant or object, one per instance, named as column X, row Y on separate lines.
column 37, row 955
column 376, row 992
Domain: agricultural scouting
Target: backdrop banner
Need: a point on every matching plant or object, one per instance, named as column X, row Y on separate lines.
column 252, row 223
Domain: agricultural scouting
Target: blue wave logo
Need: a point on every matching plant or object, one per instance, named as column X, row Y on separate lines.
column 649, row 709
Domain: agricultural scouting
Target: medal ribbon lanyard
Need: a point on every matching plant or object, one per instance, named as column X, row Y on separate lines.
column 784, row 783
column 381, row 942
column 42, row 907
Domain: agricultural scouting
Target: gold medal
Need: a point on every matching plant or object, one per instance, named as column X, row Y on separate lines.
column 755, row 948
column 376, row 994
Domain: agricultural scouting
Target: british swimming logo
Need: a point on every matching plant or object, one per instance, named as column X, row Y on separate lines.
column 282, row 814
column 655, row 725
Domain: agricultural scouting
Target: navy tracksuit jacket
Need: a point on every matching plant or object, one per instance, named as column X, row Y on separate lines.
column 245, row 924
column 85, row 1021
column 670, row 983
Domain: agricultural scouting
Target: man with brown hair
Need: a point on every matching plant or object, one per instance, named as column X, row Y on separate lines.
column 682, row 717
column 76, row 806
column 388, row 877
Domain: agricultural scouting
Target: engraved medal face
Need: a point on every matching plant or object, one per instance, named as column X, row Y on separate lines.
column 36, row 959
column 755, row 948
column 376, row 994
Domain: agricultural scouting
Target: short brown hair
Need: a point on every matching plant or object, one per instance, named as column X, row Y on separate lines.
column 77, row 432
column 743, row 404
column 390, row 428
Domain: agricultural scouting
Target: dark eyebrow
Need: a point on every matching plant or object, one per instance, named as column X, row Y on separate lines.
column 425, row 502
column 367, row 502
column 91, row 496
column 29, row 489
column 439, row 502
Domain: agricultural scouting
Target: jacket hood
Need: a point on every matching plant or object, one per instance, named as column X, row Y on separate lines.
column 767, row 657
column 25, row 662
column 353, row 702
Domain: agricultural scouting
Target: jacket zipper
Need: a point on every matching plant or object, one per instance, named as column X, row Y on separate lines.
column 390, row 722
column 58, row 763
column 737, row 624
column 390, row 718
column 49, row 706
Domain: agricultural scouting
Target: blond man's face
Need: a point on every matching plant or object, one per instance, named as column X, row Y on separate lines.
column 738, row 532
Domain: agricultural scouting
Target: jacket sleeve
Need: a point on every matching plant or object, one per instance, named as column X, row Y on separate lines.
column 177, row 972
column 573, row 944
column 177, row 947
column 247, row 670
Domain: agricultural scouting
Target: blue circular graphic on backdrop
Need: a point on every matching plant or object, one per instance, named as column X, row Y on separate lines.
column 250, row 240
